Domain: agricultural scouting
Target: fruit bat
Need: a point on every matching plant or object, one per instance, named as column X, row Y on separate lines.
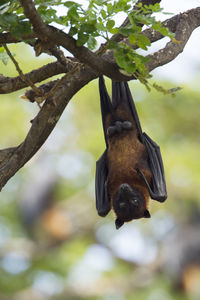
column 131, row 168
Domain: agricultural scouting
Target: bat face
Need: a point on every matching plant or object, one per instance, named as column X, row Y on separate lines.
column 129, row 204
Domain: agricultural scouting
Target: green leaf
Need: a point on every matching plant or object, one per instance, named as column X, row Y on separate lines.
column 48, row 15
column 100, row 27
column 143, row 41
column 154, row 8
column 132, row 39
column 110, row 24
column 103, row 13
column 115, row 30
column 134, row 26
column 72, row 31
column 124, row 61
column 20, row 29
column 88, row 28
column 124, row 72
column 70, row 4
column 165, row 31
column 112, row 45
column 156, row 26
column 82, row 39
column 143, row 19
column 62, row 20
column 109, row 8
column 125, row 31
column 92, row 43
column 73, row 14
column 8, row 20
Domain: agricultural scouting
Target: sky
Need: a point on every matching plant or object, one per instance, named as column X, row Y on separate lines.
column 186, row 67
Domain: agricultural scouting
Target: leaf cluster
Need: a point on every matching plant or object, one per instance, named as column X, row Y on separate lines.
column 86, row 24
column 13, row 20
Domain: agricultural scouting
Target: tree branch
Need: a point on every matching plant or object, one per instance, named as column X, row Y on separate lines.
column 188, row 22
column 118, row 37
column 58, row 37
column 11, row 84
column 11, row 160
column 44, row 89
column 180, row 24
column 103, row 65
column 8, row 38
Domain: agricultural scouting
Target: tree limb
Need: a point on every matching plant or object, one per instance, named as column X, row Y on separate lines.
column 118, row 37
column 58, row 37
column 8, row 38
column 101, row 65
column 188, row 22
column 11, row 160
column 11, row 84
column 183, row 25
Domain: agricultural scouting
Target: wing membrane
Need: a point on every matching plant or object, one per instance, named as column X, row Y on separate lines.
column 102, row 200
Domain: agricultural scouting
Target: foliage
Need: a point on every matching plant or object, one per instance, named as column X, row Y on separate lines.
column 86, row 24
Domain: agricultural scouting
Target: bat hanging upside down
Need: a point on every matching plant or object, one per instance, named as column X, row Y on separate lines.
column 131, row 168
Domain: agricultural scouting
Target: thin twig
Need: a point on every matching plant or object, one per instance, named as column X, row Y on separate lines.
column 21, row 74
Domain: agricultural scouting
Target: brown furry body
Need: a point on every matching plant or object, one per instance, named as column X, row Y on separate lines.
column 126, row 154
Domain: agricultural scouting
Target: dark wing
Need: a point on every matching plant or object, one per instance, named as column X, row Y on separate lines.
column 102, row 199
column 157, row 191
column 121, row 93
column 106, row 105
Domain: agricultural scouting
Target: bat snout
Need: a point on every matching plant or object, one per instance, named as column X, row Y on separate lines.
column 125, row 187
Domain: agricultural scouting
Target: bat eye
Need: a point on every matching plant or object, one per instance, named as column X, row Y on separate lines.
column 134, row 201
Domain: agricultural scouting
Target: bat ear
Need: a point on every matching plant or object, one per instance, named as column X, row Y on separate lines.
column 147, row 214
column 118, row 223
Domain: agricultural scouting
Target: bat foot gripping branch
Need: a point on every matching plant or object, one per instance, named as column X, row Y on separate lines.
column 118, row 127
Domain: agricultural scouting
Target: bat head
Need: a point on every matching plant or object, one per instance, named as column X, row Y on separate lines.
column 129, row 204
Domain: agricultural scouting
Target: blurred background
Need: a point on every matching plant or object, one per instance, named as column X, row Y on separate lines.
column 54, row 246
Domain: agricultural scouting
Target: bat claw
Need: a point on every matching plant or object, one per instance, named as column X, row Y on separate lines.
column 111, row 131
column 118, row 127
column 127, row 125
column 118, row 124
